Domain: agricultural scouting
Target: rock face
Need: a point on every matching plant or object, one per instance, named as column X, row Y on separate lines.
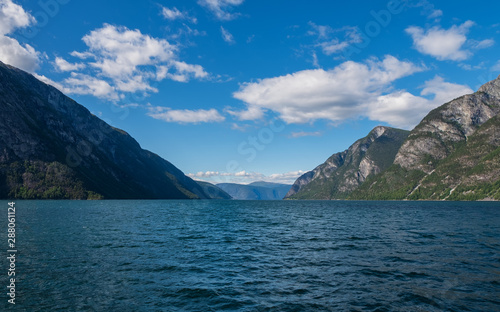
column 256, row 190
column 343, row 172
column 452, row 154
column 52, row 147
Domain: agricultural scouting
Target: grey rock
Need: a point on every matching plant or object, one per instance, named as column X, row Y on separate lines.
column 343, row 172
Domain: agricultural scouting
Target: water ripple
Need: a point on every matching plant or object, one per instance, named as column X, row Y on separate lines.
column 257, row 256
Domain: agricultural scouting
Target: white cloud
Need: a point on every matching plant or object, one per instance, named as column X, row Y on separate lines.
column 220, row 8
column 84, row 84
column 315, row 61
column 174, row 14
column 400, row 109
column 286, row 178
column 238, row 127
column 12, row 17
column 63, row 65
column 120, row 60
column 472, row 67
column 428, row 9
column 304, row 134
column 185, row 115
column 328, row 38
column 403, row 109
column 483, row 44
column 322, row 31
column 349, row 91
column 12, row 53
column 444, row 91
column 337, row 94
column 183, row 71
column 119, row 51
column 50, row 82
column 82, row 55
column 244, row 177
column 435, row 14
column 227, row 36
column 443, row 44
column 252, row 112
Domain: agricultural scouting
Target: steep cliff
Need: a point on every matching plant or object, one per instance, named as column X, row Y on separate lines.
column 52, row 147
column 343, row 172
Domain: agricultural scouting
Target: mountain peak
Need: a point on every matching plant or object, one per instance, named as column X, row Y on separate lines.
column 451, row 154
column 343, row 172
column 492, row 87
column 378, row 131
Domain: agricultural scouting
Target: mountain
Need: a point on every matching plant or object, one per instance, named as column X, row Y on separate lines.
column 256, row 191
column 454, row 153
column 213, row 191
column 52, row 147
column 343, row 172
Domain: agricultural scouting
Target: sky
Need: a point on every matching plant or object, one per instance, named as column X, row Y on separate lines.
column 249, row 90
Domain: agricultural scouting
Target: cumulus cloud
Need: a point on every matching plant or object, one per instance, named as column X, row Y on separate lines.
column 185, row 115
column 227, row 36
column 349, row 91
column 443, row 44
column 15, row 54
column 63, row 65
column 245, row 177
column 84, row 84
column 120, row 60
column 221, row 8
column 12, row 17
column 403, row 109
column 336, row 94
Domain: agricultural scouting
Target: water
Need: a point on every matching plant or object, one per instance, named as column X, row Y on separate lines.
column 254, row 256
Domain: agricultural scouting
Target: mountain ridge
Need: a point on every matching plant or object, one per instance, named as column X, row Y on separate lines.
column 452, row 154
column 453, row 143
column 343, row 172
column 53, row 147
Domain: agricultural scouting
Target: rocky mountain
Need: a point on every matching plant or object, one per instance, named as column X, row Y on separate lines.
column 344, row 172
column 454, row 153
column 256, row 191
column 52, row 147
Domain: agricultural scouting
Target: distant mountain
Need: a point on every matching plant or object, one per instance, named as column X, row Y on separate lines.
column 256, row 190
column 213, row 191
column 453, row 154
column 52, row 147
column 343, row 172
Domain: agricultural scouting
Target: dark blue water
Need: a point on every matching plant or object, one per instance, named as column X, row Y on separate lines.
column 254, row 256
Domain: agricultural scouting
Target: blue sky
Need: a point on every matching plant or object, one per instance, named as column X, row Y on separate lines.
column 241, row 90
